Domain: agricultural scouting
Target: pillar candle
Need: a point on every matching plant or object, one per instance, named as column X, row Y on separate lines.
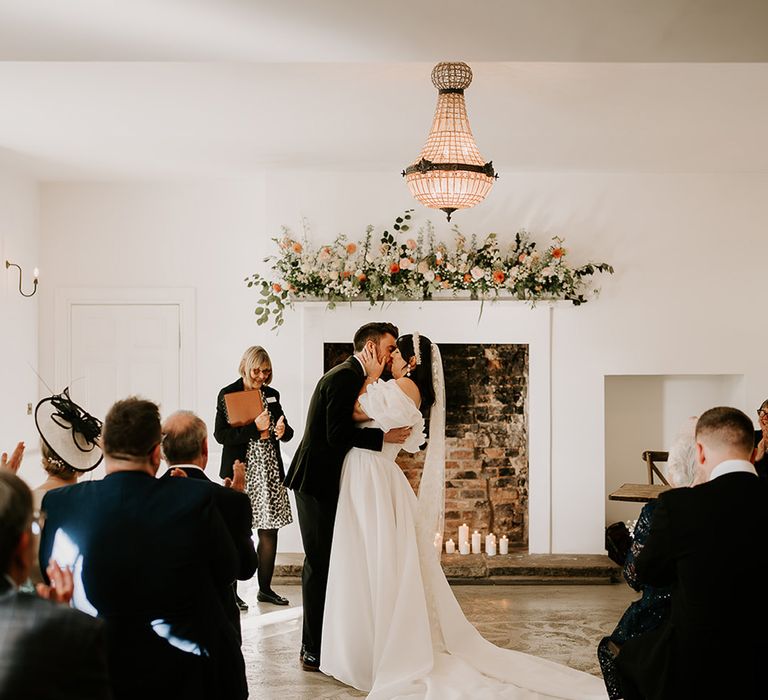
column 450, row 547
column 490, row 544
column 463, row 547
column 438, row 542
column 475, row 542
column 463, row 534
column 503, row 545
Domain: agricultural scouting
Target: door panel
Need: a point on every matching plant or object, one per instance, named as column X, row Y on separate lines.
column 119, row 350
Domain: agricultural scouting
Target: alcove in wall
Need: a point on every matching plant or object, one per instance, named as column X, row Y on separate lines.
column 646, row 412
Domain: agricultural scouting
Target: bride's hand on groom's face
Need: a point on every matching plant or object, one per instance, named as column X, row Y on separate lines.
column 373, row 367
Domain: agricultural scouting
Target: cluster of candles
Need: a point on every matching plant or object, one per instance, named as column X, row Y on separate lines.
column 464, row 543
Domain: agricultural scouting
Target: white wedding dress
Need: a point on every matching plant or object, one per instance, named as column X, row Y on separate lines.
column 392, row 627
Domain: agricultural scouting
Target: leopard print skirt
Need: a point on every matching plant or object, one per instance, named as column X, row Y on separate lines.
column 269, row 499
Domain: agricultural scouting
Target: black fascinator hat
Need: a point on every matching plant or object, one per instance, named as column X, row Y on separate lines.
column 69, row 432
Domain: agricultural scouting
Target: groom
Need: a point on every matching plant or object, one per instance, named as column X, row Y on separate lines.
column 315, row 471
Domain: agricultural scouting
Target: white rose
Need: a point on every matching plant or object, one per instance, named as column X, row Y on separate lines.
column 429, row 276
column 477, row 273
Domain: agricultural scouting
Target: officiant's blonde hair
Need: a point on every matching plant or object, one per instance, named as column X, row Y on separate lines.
column 253, row 358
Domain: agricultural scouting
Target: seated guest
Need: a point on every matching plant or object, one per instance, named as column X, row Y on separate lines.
column 706, row 542
column 46, row 649
column 761, row 441
column 185, row 448
column 653, row 607
column 150, row 557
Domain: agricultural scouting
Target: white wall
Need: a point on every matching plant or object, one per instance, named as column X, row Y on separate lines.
column 19, row 243
column 688, row 250
column 647, row 413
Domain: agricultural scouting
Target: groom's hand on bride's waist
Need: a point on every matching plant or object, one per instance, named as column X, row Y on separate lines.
column 397, row 435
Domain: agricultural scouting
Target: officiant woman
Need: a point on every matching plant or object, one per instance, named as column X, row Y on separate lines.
column 257, row 446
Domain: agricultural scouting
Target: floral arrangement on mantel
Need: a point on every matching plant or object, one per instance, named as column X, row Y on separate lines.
column 417, row 268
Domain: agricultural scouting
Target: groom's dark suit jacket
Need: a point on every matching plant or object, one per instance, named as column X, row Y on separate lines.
column 330, row 433
column 708, row 542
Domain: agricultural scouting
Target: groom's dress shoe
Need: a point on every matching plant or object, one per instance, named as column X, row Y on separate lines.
column 271, row 598
column 310, row 661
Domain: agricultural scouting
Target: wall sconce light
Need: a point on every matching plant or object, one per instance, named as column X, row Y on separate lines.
column 35, row 275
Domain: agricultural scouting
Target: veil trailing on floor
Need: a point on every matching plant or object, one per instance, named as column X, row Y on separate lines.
column 432, row 486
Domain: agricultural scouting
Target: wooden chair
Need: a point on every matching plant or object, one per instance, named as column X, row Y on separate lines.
column 650, row 457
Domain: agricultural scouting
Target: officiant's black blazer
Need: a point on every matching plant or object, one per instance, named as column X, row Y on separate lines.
column 708, row 542
column 330, row 432
column 235, row 440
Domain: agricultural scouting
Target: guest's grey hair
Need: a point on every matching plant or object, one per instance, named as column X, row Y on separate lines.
column 15, row 515
column 183, row 437
column 681, row 463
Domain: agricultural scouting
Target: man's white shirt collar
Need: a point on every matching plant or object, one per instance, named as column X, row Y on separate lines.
column 185, row 467
column 731, row 466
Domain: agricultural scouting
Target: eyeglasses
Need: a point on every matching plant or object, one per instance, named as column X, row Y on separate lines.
column 762, row 412
column 265, row 372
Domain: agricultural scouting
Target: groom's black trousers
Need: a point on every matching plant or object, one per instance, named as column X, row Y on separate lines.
column 316, row 517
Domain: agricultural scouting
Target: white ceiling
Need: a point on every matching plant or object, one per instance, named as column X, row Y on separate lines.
column 91, row 89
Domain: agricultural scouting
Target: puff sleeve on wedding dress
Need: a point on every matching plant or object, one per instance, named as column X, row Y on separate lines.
column 392, row 626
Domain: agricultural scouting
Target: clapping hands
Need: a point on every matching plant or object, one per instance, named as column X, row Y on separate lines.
column 13, row 462
column 262, row 420
column 237, row 482
column 62, row 585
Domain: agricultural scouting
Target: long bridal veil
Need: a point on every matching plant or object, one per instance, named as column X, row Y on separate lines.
column 432, row 487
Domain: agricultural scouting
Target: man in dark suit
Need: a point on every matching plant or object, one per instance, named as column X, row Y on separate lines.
column 185, row 448
column 707, row 542
column 150, row 557
column 47, row 650
column 315, row 471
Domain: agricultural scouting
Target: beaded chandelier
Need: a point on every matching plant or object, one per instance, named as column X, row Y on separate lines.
column 450, row 174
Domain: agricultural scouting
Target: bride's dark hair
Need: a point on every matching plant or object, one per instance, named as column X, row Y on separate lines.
column 421, row 374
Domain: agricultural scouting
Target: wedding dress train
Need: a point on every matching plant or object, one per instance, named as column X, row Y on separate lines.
column 392, row 626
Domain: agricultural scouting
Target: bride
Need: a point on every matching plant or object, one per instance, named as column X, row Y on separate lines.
column 392, row 626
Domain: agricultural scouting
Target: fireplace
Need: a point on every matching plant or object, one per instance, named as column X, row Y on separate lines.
column 506, row 366
column 486, row 437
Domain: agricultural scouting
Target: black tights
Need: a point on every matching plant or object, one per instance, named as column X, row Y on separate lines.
column 267, row 551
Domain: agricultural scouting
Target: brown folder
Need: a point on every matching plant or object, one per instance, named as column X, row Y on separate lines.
column 243, row 407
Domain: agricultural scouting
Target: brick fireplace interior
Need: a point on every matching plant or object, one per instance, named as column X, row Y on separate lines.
column 486, row 438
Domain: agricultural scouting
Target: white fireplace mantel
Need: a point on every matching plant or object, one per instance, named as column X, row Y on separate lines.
column 510, row 322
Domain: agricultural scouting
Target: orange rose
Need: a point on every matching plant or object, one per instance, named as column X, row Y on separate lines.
column 346, row 274
column 445, row 284
column 351, row 248
column 467, row 277
column 361, row 277
column 521, row 257
column 277, row 288
column 297, row 247
column 438, row 278
column 557, row 253
column 498, row 276
column 394, row 268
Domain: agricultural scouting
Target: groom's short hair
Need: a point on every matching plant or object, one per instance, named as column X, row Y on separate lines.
column 373, row 331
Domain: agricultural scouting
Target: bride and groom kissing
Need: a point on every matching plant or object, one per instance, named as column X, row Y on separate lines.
column 376, row 602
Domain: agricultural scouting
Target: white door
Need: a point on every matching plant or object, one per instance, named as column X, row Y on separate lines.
column 120, row 350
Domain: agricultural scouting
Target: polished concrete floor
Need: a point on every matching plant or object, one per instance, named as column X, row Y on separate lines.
column 562, row 623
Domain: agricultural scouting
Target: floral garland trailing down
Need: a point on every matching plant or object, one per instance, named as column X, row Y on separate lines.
column 417, row 268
